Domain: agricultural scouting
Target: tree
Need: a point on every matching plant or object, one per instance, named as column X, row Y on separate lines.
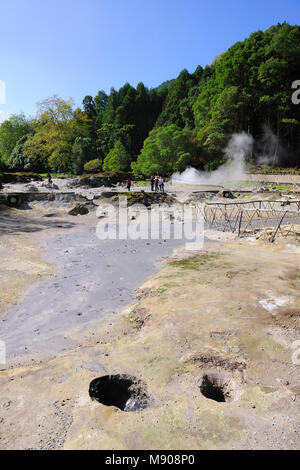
column 17, row 160
column 167, row 149
column 118, row 158
column 81, row 153
column 11, row 131
column 36, row 148
column 111, row 107
column 100, row 107
column 126, row 111
column 93, row 166
column 178, row 90
column 127, row 115
column 109, row 134
column 55, row 129
column 89, row 106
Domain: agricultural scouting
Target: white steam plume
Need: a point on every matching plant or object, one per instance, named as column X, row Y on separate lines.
column 239, row 146
column 269, row 148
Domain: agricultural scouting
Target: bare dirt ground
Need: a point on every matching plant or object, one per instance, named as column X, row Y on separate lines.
column 230, row 312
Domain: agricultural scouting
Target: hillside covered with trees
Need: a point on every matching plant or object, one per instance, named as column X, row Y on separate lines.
column 185, row 121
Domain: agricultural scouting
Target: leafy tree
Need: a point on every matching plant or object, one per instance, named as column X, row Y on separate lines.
column 179, row 89
column 109, row 134
column 183, row 161
column 79, row 125
column 17, row 160
column 118, row 158
column 93, row 166
column 126, row 112
column 37, row 149
column 89, row 106
column 11, row 131
column 111, row 107
column 165, row 150
column 127, row 115
column 54, row 109
column 81, row 153
column 100, row 107
column 55, row 128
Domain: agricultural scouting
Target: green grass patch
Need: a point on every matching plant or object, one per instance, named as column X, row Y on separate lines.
column 198, row 261
column 246, row 184
column 274, row 171
column 58, row 175
column 282, row 188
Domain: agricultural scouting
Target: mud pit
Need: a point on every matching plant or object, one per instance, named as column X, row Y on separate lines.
column 220, row 386
column 124, row 392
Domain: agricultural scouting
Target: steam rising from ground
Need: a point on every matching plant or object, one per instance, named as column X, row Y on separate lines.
column 270, row 150
column 239, row 146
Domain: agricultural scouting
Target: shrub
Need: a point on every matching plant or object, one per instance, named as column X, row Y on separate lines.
column 93, row 166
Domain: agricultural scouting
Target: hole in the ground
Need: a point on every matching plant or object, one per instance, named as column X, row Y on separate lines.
column 220, row 386
column 211, row 390
column 123, row 391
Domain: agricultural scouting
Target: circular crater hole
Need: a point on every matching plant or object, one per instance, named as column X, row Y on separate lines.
column 220, row 386
column 125, row 392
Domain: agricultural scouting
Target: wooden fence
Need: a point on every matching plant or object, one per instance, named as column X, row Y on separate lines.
column 263, row 219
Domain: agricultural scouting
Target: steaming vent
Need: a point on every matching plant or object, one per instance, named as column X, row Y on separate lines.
column 238, row 148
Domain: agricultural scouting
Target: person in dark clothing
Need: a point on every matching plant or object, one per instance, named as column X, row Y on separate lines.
column 49, row 178
column 152, row 181
column 156, row 179
column 128, row 184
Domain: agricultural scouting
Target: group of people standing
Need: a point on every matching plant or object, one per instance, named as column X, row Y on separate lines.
column 157, row 184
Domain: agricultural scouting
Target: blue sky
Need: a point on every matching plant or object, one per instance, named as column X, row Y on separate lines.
column 76, row 47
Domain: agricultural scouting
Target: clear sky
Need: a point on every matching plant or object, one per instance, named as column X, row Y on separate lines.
column 74, row 48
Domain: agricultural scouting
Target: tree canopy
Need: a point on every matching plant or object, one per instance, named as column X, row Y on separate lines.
column 167, row 149
column 11, row 131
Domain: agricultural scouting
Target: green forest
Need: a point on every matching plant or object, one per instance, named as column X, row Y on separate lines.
column 184, row 122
